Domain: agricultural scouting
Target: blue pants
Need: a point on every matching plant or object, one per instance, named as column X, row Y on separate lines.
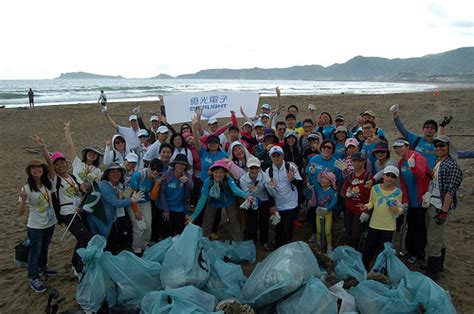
column 38, row 254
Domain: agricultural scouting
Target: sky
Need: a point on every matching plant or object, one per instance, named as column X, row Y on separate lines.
column 138, row 39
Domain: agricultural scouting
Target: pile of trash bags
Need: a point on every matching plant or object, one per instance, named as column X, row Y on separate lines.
column 189, row 273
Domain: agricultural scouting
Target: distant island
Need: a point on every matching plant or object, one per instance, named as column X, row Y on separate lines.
column 450, row 66
column 85, row 75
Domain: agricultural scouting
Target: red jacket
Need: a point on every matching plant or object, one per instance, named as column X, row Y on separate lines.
column 422, row 175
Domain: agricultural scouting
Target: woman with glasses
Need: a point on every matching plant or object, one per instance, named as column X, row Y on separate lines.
column 181, row 147
column 116, row 150
column 382, row 155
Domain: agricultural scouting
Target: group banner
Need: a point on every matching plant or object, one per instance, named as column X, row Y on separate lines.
column 181, row 107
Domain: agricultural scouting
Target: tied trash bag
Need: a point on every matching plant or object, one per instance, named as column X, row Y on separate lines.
column 375, row 297
column 313, row 297
column 421, row 289
column 233, row 251
column 348, row 303
column 388, row 264
column 22, row 250
column 348, row 264
column 226, row 281
column 187, row 299
column 279, row 274
column 186, row 263
column 133, row 276
column 95, row 285
column 157, row 252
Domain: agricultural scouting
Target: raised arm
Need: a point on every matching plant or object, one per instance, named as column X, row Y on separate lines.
column 195, row 122
column 71, row 149
column 164, row 122
column 112, row 122
column 44, row 150
column 278, row 93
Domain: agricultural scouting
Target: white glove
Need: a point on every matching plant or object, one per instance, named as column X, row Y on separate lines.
column 311, row 107
column 275, row 218
column 426, row 200
column 136, row 110
column 137, row 197
column 411, row 161
column 245, row 205
column 395, row 108
column 364, row 217
column 341, row 165
column 349, row 194
column 321, row 211
column 141, row 225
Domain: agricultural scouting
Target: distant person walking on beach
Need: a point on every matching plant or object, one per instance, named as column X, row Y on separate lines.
column 31, row 99
column 102, row 100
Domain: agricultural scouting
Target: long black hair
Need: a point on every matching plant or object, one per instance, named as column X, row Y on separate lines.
column 44, row 179
column 96, row 162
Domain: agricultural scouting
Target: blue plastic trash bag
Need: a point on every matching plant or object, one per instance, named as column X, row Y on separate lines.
column 375, row 297
column 95, row 285
column 348, row 303
column 280, row 274
column 187, row 299
column 421, row 289
column 313, row 297
column 226, row 281
column 133, row 276
column 348, row 264
column 157, row 252
column 390, row 265
column 234, row 251
column 186, row 262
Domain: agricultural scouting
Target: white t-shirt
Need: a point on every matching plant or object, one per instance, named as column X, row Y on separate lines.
column 435, row 198
column 286, row 197
column 68, row 194
column 153, row 152
column 41, row 213
column 131, row 136
column 83, row 173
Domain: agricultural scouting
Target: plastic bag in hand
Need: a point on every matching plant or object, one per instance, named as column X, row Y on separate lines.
column 141, row 225
column 364, row 217
column 136, row 110
column 215, row 191
column 395, row 108
column 245, row 205
column 311, row 107
column 275, row 218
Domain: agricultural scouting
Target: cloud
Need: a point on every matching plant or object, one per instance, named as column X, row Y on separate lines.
column 463, row 24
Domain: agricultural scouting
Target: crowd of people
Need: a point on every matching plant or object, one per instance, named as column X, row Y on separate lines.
column 268, row 172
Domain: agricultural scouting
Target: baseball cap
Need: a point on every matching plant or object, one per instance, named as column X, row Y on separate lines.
column 339, row 117
column 266, row 115
column 341, row 129
column 358, row 156
column 259, row 123
column 369, row 113
column 142, row 132
column 253, row 162
column 211, row 121
column 400, row 142
column 162, row 129
column 276, row 150
column 391, row 169
column 57, row 155
column 314, row 136
column 267, row 106
column 291, row 133
column 132, row 117
column 248, row 123
column 154, row 118
column 131, row 157
column 351, row 141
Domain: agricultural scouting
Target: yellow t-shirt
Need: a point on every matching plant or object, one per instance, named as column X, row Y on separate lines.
column 382, row 217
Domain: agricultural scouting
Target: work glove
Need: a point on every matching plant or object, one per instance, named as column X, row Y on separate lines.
column 446, row 120
column 440, row 217
column 364, row 217
column 275, row 218
column 245, row 205
column 311, row 107
column 137, row 197
column 341, row 165
column 136, row 110
column 395, row 109
column 141, row 225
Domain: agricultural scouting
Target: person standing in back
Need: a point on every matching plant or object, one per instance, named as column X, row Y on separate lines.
column 103, row 101
column 31, row 99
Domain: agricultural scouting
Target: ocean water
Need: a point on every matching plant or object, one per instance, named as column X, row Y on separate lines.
column 14, row 93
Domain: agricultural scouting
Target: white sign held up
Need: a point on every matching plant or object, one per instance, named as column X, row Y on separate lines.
column 181, row 107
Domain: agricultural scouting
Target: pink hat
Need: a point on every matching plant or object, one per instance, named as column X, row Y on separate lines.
column 328, row 175
column 187, row 134
column 220, row 164
column 57, row 155
column 351, row 141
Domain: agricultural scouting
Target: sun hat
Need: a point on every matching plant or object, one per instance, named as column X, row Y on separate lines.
column 400, row 142
column 187, row 134
column 112, row 166
column 35, row 162
column 142, row 132
column 220, row 164
column 162, row 129
column 253, row 162
column 131, row 157
column 391, row 169
column 93, row 148
column 369, row 113
column 211, row 121
column 57, row 155
column 329, row 175
column 154, row 118
column 180, row 159
column 341, row 129
column 132, row 117
column 445, row 139
column 276, row 150
column 351, row 142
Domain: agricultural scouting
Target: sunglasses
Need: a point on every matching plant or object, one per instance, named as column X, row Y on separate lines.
column 118, row 142
column 284, row 129
column 380, row 152
column 391, row 175
column 276, row 155
column 327, row 147
column 367, row 128
column 440, row 145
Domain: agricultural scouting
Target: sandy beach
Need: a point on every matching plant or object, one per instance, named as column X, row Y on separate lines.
column 89, row 126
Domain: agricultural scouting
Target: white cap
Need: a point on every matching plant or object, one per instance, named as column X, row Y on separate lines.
column 400, row 142
column 131, row 157
column 211, row 121
column 253, row 162
column 267, row 106
column 259, row 123
column 391, row 169
column 142, row 132
column 248, row 123
column 277, row 150
column 132, row 117
column 266, row 115
column 162, row 129
column 154, row 118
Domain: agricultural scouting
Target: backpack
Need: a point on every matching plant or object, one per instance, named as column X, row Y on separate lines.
column 415, row 143
column 366, row 177
column 56, row 202
column 287, row 167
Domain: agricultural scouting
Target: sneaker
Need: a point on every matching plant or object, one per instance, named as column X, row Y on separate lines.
column 37, row 285
column 312, row 239
column 214, row 236
column 412, row 260
column 48, row 272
